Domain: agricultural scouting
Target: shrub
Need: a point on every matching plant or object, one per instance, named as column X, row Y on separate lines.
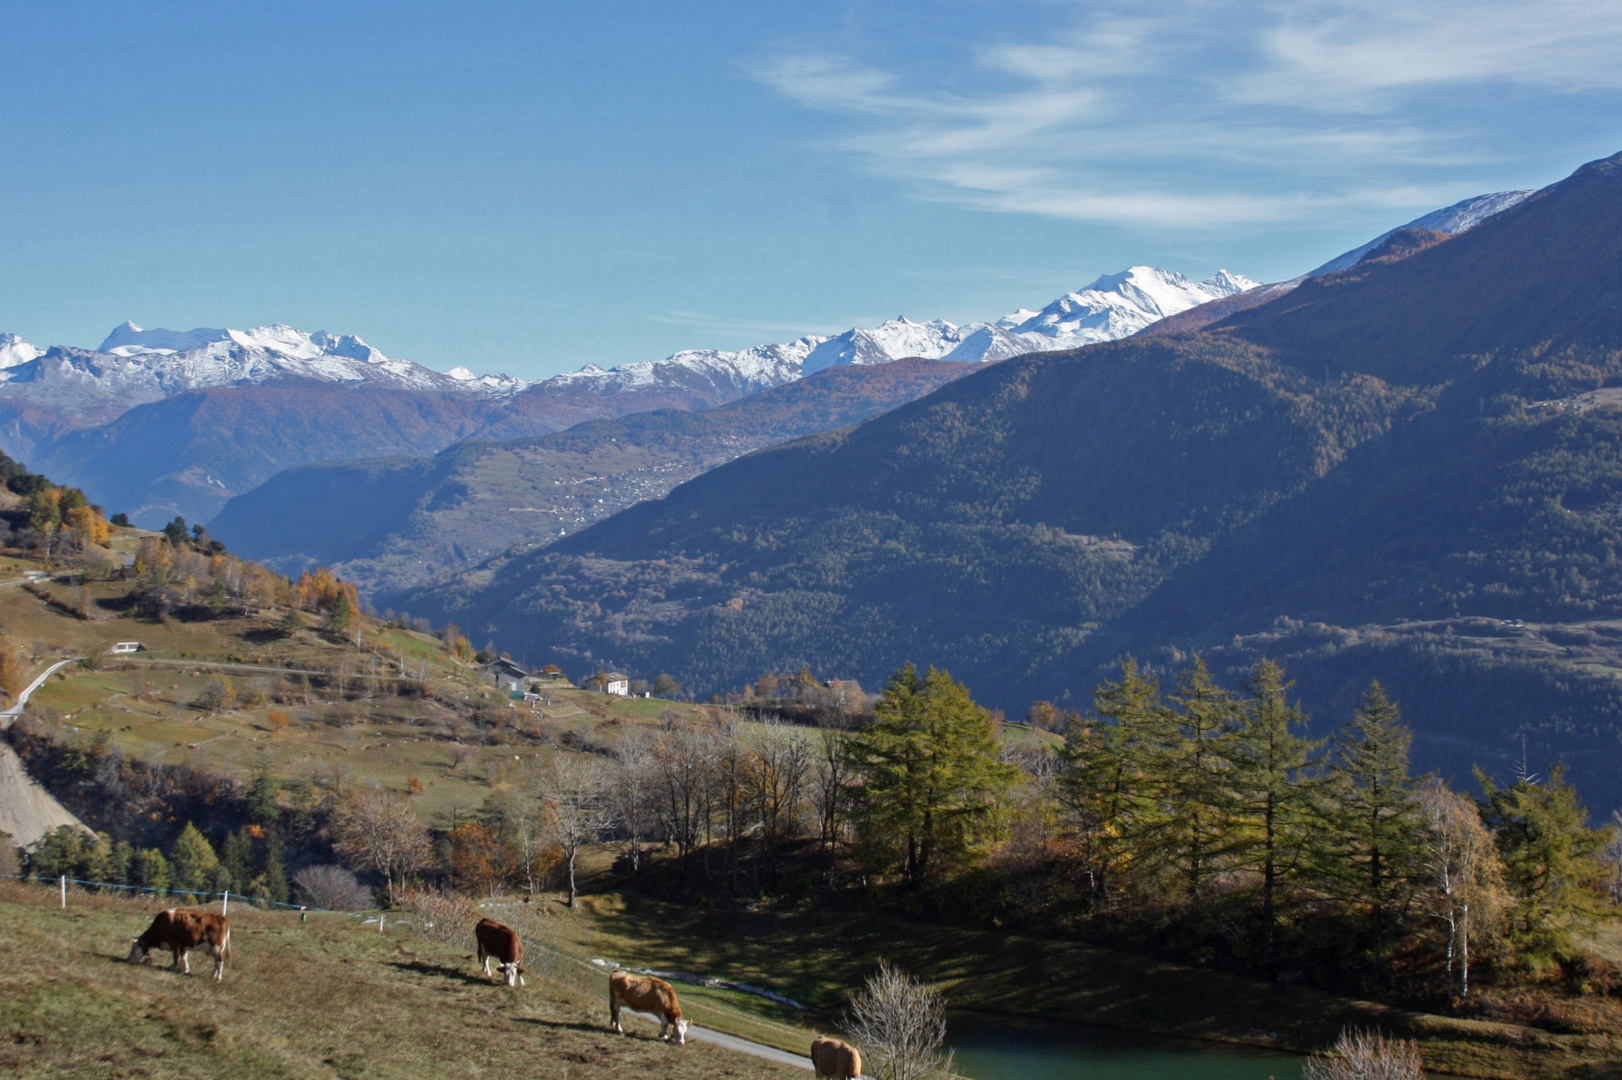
column 331, row 887
column 440, row 916
column 1367, row 1055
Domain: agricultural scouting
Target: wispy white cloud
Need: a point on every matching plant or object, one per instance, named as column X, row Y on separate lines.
column 1215, row 112
column 727, row 324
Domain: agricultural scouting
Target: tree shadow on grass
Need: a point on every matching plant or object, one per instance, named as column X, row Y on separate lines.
column 593, row 1029
column 458, row 974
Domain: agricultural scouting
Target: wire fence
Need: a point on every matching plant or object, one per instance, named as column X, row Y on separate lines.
column 563, row 965
column 189, row 895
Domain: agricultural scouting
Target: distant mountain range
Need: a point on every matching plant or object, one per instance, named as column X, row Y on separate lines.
column 1405, row 468
column 149, row 422
column 394, row 523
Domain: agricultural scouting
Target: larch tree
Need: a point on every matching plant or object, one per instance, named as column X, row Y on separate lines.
column 1208, row 714
column 932, row 782
column 192, row 861
column 1553, row 865
column 1374, row 818
column 1271, row 798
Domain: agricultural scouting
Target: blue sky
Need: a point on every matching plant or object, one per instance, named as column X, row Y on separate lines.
column 530, row 187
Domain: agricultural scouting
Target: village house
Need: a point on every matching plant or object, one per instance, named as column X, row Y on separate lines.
column 617, row 683
column 508, row 675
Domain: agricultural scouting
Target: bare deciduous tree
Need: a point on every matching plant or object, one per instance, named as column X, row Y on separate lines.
column 1367, row 1055
column 332, row 888
column 631, row 793
column 684, row 756
column 829, row 779
column 900, row 1025
column 574, row 792
column 780, row 759
column 378, row 830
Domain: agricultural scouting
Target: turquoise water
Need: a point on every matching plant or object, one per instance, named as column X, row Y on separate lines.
column 998, row 1049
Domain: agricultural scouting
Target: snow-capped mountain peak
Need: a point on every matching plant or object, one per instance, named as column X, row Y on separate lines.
column 14, row 350
column 1117, row 305
column 127, row 339
column 135, row 365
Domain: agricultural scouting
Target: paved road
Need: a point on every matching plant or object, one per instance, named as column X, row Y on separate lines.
column 8, row 715
column 733, row 1042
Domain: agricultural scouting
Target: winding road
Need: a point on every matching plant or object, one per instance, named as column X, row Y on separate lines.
column 8, row 715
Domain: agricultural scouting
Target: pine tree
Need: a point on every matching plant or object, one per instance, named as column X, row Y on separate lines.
column 932, row 780
column 291, row 623
column 1551, row 858
column 192, row 860
column 237, row 857
column 263, row 807
column 217, row 599
column 1373, row 817
column 275, row 876
column 1270, row 793
column 343, row 614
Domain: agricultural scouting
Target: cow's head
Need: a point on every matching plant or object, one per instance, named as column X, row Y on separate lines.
column 681, row 1030
column 139, row 954
column 514, row 973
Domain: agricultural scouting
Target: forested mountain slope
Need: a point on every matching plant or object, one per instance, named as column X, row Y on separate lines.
column 394, row 523
column 1363, row 450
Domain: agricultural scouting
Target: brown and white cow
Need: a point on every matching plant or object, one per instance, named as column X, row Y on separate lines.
column 835, row 1058
column 181, row 930
column 648, row 995
column 501, row 943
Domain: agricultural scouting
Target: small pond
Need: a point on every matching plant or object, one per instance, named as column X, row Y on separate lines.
column 997, row 1048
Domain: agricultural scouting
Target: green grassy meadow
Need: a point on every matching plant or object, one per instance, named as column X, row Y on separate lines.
column 331, row 998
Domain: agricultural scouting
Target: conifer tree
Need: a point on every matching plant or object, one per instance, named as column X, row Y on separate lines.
column 263, row 807
column 192, row 860
column 1122, row 761
column 151, row 869
column 1208, row 716
column 343, row 614
column 276, row 887
column 932, row 781
column 1373, row 817
column 1270, row 792
column 1551, row 858
column 237, row 857
column 217, row 599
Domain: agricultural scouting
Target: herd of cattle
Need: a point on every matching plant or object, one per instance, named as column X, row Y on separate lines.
column 181, row 930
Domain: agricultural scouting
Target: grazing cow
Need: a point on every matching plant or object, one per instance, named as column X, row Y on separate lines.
column 649, row 995
column 182, row 930
column 501, row 943
column 835, row 1058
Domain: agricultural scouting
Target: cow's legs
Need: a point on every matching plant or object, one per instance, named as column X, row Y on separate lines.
column 219, row 963
column 183, row 960
column 614, row 1014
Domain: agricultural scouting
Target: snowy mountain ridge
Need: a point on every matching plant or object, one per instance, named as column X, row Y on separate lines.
column 135, row 365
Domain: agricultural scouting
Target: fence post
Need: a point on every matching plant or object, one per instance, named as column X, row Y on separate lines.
column 380, row 919
column 64, row 884
column 225, row 902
